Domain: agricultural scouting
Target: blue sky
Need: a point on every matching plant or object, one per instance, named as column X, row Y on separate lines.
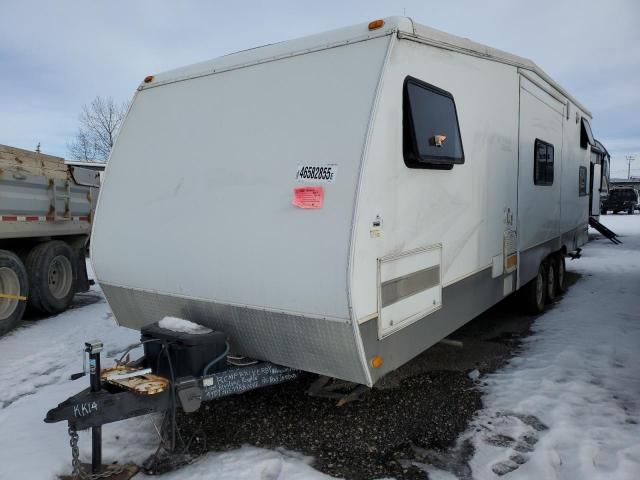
column 58, row 55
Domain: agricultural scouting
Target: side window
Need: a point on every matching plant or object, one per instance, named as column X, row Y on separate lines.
column 582, row 181
column 431, row 134
column 542, row 163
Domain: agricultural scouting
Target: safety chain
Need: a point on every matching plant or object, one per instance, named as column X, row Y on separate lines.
column 78, row 469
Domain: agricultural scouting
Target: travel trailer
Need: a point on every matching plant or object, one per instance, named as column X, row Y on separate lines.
column 340, row 203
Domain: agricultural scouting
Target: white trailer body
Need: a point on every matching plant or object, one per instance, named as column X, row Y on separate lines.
column 401, row 252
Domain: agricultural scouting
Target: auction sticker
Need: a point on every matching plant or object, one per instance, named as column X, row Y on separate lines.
column 308, row 197
column 317, row 173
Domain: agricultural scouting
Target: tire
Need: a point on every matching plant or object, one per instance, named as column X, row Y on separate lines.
column 561, row 274
column 534, row 293
column 52, row 277
column 630, row 211
column 603, row 212
column 615, row 212
column 13, row 281
column 550, row 281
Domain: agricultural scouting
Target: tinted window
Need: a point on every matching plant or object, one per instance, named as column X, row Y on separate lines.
column 431, row 131
column 623, row 194
column 582, row 181
column 543, row 163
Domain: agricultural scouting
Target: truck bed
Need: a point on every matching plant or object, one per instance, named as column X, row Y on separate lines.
column 42, row 196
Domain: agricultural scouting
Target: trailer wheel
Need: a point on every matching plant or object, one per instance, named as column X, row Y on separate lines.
column 52, row 277
column 534, row 293
column 561, row 278
column 551, row 281
column 14, row 286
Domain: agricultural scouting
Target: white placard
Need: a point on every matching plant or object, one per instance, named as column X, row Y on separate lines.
column 317, row 173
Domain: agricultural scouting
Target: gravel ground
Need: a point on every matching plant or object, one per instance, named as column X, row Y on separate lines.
column 359, row 440
column 421, row 407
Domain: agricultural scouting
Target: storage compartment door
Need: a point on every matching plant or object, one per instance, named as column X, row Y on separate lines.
column 409, row 288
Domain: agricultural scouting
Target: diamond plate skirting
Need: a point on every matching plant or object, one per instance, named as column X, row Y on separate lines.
column 320, row 346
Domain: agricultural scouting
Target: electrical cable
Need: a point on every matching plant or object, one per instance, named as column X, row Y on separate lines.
column 173, row 397
column 165, row 350
column 139, row 344
column 153, row 464
column 227, row 347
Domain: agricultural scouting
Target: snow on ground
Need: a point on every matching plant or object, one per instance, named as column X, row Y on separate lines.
column 567, row 407
column 36, row 361
column 247, row 463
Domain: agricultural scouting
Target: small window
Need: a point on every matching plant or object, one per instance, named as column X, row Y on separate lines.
column 586, row 136
column 543, row 163
column 431, row 134
column 582, row 181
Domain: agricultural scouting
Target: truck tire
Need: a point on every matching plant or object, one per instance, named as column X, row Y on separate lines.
column 551, row 281
column 534, row 293
column 14, row 282
column 561, row 273
column 52, row 277
column 630, row 211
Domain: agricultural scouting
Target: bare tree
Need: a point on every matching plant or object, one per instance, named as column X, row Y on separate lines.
column 99, row 124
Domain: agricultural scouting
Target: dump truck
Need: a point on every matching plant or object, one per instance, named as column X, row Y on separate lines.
column 46, row 209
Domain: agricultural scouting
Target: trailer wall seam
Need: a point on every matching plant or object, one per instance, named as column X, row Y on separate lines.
column 354, row 216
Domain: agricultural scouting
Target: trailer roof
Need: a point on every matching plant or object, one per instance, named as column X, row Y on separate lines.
column 434, row 37
column 404, row 27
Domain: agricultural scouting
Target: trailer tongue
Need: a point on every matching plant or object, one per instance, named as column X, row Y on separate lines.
column 146, row 386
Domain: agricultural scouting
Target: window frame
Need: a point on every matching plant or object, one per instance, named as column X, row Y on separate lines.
column 586, row 135
column 544, row 182
column 582, row 189
column 410, row 153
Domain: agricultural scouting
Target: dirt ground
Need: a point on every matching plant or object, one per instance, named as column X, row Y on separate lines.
column 422, row 406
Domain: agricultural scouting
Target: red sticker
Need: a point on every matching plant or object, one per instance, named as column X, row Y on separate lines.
column 308, row 197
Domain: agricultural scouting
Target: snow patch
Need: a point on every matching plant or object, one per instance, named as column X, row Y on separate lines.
column 567, row 406
column 474, row 374
column 247, row 463
column 181, row 325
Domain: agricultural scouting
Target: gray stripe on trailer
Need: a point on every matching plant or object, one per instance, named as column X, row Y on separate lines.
column 461, row 302
column 394, row 290
column 326, row 347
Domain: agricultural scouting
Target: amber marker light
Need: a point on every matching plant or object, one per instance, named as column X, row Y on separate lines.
column 376, row 362
column 376, row 24
column 148, row 79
